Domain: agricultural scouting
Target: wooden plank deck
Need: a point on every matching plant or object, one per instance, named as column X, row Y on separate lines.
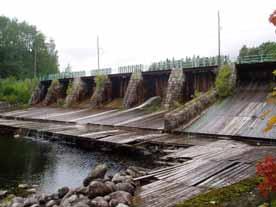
column 213, row 165
column 245, row 114
column 134, row 117
column 209, row 163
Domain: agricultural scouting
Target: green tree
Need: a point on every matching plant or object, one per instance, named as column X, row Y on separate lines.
column 19, row 42
column 266, row 48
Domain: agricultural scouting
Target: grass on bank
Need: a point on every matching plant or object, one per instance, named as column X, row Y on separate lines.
column 15, row 91
column 217, row 197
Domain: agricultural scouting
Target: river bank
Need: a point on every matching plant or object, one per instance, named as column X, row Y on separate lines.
column 51, row 164
column 98, row 189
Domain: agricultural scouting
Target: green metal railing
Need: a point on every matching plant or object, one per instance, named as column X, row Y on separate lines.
column 102, row 71
column 131, row 68
column 194, row 62
column 63, row 75
column 256, row 59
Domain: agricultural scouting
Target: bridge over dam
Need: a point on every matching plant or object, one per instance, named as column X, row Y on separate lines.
column 199, row 143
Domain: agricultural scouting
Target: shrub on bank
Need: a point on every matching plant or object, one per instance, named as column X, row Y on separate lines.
column 16, row 91
column 223, row 82
column 100, row 80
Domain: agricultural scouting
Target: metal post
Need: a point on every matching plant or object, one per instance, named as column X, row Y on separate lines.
column 98, row 52
column 219, row 40
column 35, row 67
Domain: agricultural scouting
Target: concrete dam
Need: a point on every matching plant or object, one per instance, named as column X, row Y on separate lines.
column 200, row 142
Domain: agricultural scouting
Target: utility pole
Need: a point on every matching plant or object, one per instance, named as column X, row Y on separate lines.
column 35, row 54
column 219, row 40
column 98, row 52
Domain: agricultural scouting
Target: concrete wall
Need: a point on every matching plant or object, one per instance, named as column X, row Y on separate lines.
column 174, row 90
column 200, row 81
column 80, row 91
column 255, row 72
column 119, row 85
column 56, row 92
column 133, row 92
column 189, row 111
column 40, row 92
column 154, row 83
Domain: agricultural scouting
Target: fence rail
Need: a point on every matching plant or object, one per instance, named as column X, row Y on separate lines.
column 256, row 58
column 63, row 75
column 194, row 62
column 131, row 68
column 103, row 71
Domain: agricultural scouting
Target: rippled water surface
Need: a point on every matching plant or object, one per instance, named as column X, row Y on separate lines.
column 50, row 165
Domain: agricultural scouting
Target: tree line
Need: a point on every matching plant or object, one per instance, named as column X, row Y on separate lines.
column 266, row 48
column 23, row 48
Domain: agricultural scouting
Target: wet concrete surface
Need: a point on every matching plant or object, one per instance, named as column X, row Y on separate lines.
column 244, row 114
column 93, row 116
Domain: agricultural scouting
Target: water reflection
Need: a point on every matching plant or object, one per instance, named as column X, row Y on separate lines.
column 51, row 165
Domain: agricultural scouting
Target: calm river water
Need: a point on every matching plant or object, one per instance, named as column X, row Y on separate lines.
column 50, row 165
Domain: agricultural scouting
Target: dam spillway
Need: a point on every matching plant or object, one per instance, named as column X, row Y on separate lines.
column 194, row 157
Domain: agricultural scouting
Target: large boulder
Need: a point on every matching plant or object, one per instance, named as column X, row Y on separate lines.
column 63, row 191
column 51, row 203
column 119, row 178
column 122, row 205
column 82, row 190
column 30, row 201
column 120, row 197
column 3, row 193
column 98, row 188
column 97, row 173
column 111, row 186
column 127, row 187
column 99, row 202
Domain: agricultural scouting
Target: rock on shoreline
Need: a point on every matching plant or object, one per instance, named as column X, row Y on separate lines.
column 97, row 190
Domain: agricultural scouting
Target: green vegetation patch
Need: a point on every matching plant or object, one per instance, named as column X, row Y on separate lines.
column 100, row 80
column 223, row 82
column 153, row 108
column 219, row 196
column 17, row 91
column 69, row 90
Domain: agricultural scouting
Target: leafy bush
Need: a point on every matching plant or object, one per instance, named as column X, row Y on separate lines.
column 267, row 170
column 69, row 89
column 223, row 82
column 60, row 102
column 17, row 91
column 54, row 84
column 100, row 80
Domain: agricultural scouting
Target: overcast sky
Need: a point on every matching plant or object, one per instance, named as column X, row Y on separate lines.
column 142, row 31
